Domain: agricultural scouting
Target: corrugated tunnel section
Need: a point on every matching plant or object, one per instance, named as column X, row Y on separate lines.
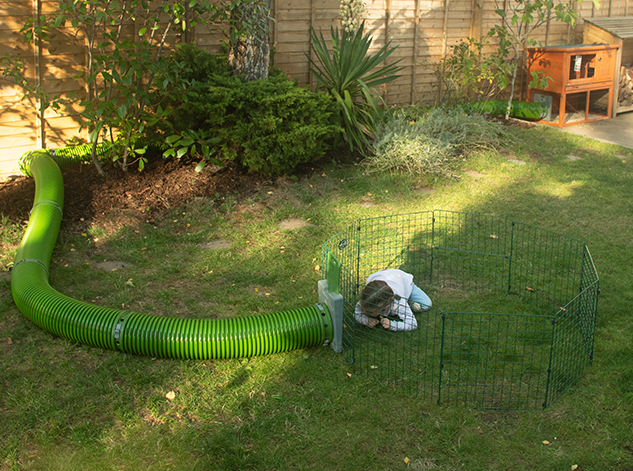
column 132, row 332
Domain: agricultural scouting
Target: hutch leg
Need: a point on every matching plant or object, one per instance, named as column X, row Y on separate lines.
column 561, row 108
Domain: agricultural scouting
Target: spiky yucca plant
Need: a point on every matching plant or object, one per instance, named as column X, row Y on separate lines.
column 349, row 73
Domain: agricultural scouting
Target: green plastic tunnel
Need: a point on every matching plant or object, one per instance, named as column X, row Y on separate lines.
column 132, row 332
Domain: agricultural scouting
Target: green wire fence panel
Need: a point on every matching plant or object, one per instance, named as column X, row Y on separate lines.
column 514, row 307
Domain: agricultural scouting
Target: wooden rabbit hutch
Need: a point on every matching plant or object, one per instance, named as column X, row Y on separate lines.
column 582, row 82
column 616, row 30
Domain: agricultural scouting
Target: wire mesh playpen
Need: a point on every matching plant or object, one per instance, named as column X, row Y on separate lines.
column 514, row 307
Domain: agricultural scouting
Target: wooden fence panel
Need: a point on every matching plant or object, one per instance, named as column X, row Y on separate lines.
column 423, row 30
column 17, row 117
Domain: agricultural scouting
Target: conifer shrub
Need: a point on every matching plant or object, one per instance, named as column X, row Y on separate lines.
column 269, row 126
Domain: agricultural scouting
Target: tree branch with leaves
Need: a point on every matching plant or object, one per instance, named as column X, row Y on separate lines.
column 127, row 76
column 519, row 19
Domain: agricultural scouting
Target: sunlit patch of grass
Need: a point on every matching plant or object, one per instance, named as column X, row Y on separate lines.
column 559, row 189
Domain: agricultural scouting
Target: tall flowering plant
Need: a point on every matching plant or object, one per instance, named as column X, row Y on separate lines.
column 351, row 12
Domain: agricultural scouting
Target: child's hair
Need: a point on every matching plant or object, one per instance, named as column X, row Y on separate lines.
column 375, row 298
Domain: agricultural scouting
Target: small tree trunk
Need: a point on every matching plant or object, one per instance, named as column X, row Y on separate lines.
column 514, row 78
column 249, row 52
column 95, row 159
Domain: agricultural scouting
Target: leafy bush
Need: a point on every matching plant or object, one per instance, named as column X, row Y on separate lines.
column 433, row 143
column 199, row 65
column 123, row 97
column 197, row 143
column 412, row 113
column 466, row 73
column 281, row 125
column 269, row 126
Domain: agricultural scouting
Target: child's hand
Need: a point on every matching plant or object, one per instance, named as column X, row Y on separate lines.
column 372, row 322
column 385, row 323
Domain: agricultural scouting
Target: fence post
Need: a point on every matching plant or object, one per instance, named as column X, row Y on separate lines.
column 273, row 31
column 358, row 280
column 510, row 262
column 441, row 365
column 445, row 28
column 311, row 78
column 549, row 366
column 414, row 61
column 40, row 124
column 476, row 20
column 432, row 246
column 387, row 38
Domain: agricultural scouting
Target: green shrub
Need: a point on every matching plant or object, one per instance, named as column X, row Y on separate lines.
column 433, row 143
column 414, row 113
column 281, row 125
column 465, row 73
column 199, row 65
column 269, row 126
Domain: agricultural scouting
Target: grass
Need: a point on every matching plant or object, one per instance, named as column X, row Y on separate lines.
column 65, row 406
column 10, row 235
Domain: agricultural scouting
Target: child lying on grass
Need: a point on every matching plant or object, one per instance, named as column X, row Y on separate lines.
column 389, row 300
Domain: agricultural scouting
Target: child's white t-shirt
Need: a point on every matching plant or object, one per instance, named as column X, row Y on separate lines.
column 401, row 283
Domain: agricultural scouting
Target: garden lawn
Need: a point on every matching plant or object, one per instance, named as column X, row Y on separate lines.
column 66, row 406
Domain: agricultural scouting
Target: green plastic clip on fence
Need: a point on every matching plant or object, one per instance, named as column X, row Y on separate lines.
column 333, row 274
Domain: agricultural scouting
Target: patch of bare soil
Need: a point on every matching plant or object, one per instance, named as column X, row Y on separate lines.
column 514, row 122
column 163, row 184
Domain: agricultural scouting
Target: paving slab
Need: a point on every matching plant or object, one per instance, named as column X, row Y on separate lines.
column 618, row 130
